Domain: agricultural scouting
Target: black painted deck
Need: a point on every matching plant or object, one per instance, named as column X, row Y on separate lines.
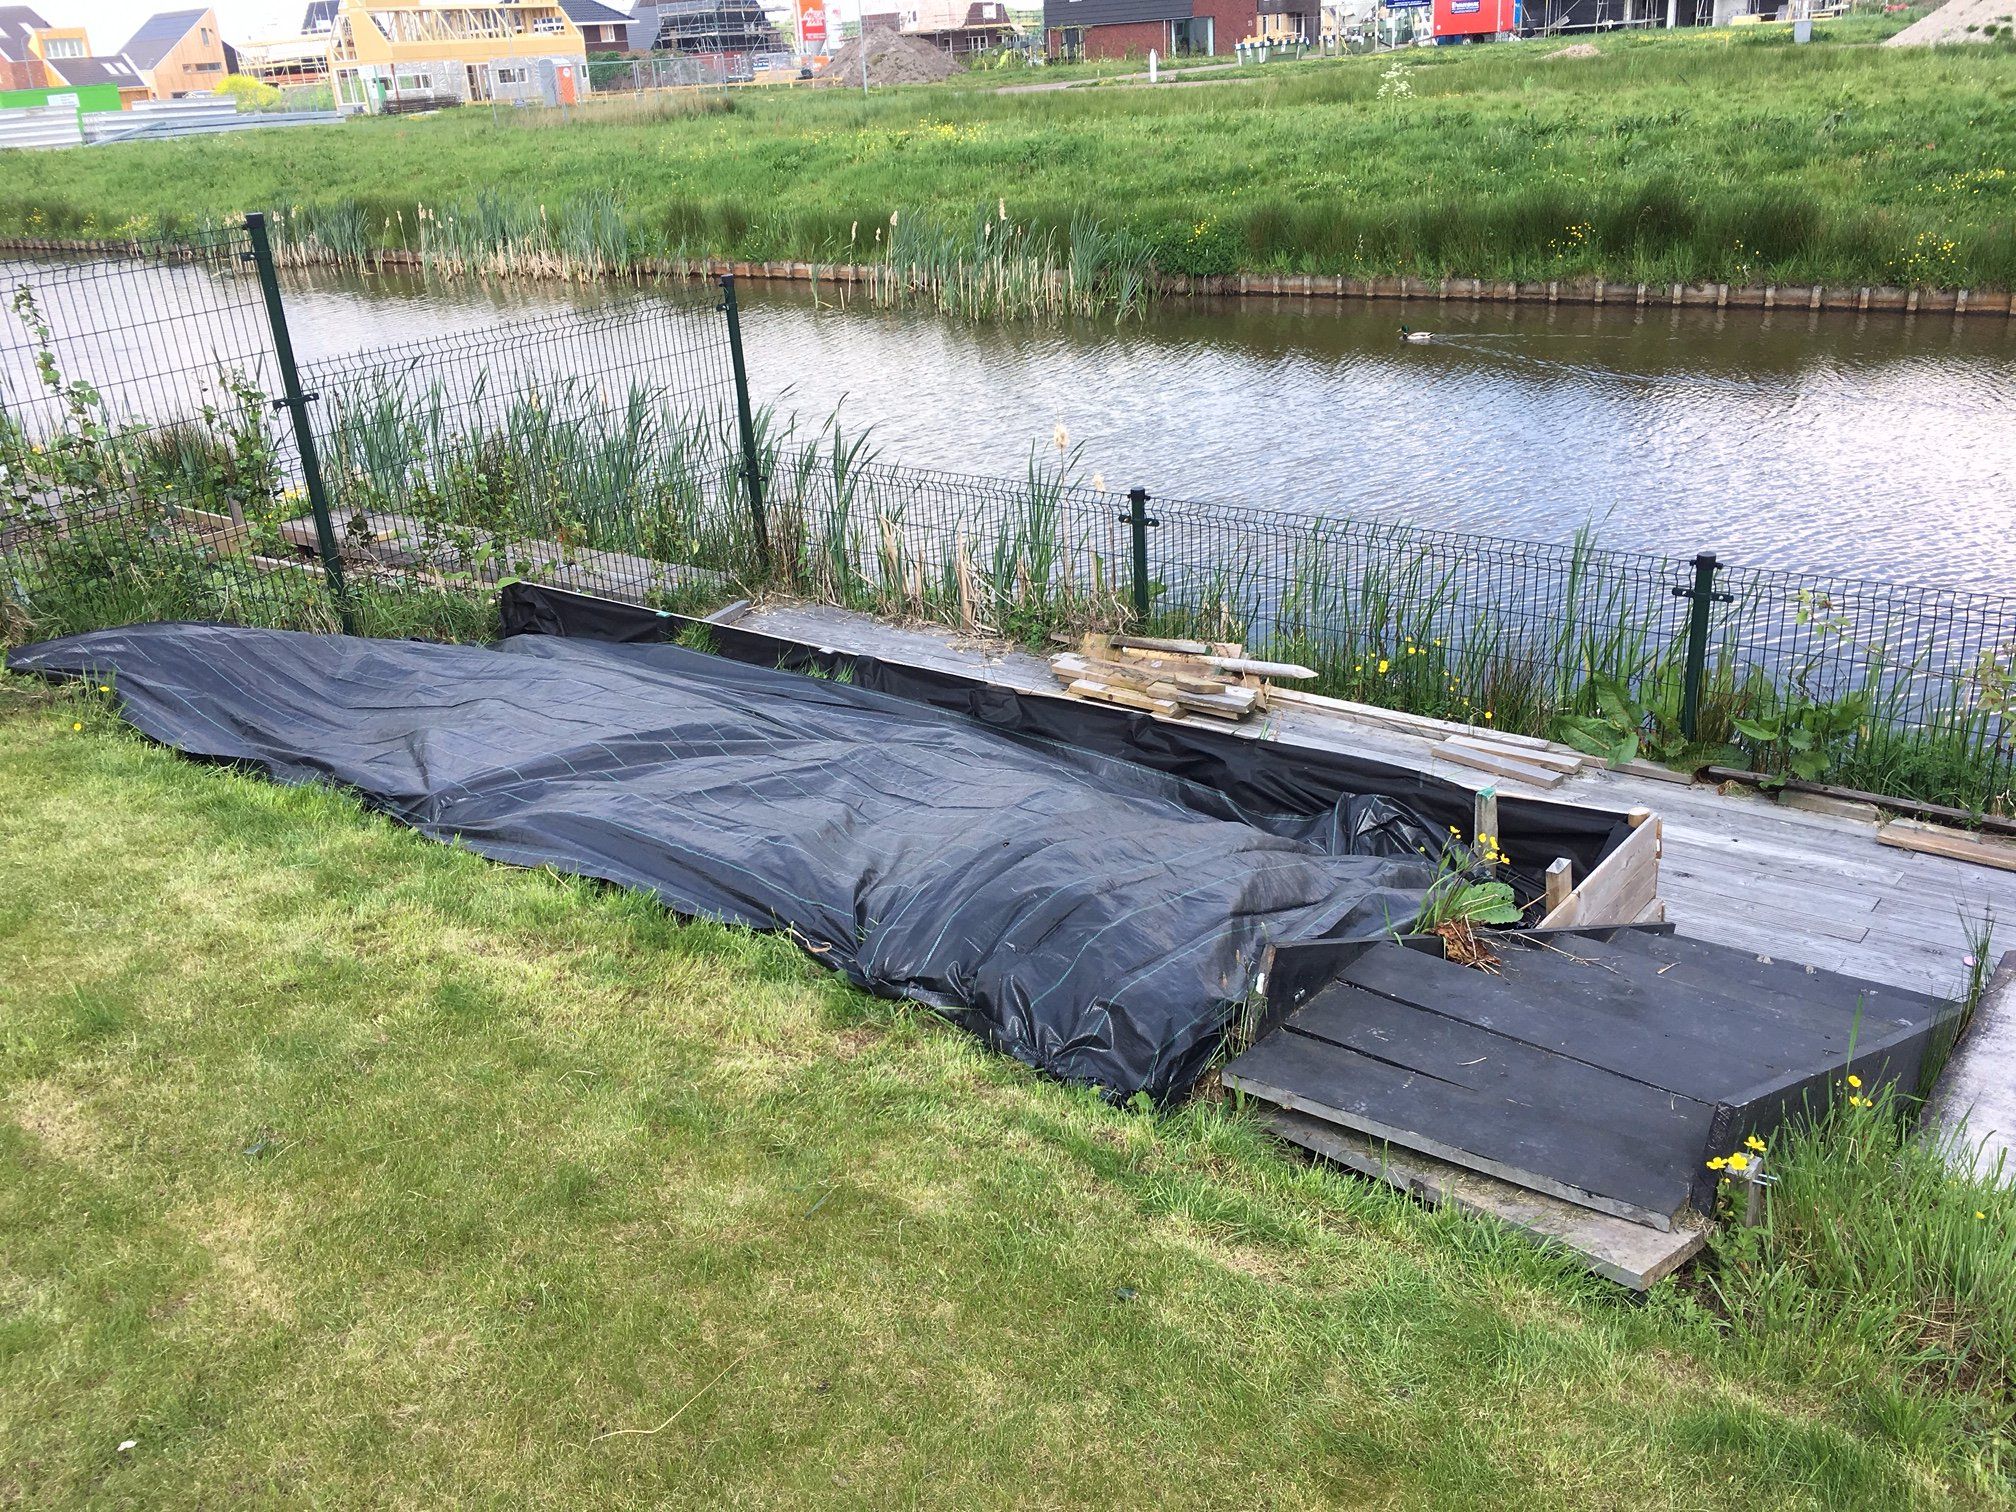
column 1603, row 1068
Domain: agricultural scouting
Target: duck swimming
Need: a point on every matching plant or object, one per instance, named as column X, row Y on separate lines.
column 1407, row 335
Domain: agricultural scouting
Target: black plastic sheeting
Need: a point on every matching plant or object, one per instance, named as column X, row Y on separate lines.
column 1267, row 783
column 1094, row 916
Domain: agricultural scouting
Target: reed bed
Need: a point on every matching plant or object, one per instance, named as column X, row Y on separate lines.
column 1865, row 686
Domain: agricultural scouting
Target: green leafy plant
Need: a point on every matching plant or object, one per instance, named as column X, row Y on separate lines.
column 1804, row 736
column 1630, row 723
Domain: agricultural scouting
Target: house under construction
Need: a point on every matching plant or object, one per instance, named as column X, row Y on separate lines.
column 716, row 28
column 388, row 56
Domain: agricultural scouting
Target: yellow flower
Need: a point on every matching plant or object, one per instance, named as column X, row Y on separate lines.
column 103, row 689
column 1487, row 713
column 1384, row 664
column 1854, row 1080
column 1979, row 1214
column 1456, row 832
column 1717, row 1163
column 77, row 726
column 1755, row 1143
column 1739, row 1161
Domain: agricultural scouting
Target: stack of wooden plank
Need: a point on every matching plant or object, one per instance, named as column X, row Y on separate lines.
column 1170, row 678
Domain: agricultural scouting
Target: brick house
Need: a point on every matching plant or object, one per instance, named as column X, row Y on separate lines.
column 1170, row 28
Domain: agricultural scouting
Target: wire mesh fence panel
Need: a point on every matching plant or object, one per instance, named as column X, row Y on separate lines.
column 1915, row 687
column 147, row 475
column 586, row 449
column 144, row 468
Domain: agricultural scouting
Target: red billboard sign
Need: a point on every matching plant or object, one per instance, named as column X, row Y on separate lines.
column 1474, row 18
column 812, row 26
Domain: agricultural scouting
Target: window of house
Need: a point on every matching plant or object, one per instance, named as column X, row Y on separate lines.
column 206, row 34
column 63, row 47
column 413, row 84
column 511, row 75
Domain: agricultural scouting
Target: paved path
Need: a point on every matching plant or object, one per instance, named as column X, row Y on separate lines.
column 1177, row 75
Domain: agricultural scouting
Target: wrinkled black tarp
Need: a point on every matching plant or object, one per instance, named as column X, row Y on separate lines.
column 1270, row 783
column 1093, row 917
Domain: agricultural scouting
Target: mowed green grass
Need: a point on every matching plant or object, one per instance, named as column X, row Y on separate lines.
column 1699, row 155
column 341, row 1166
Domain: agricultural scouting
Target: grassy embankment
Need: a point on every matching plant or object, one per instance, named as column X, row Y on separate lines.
column 1701, row 156
column 338, row 1165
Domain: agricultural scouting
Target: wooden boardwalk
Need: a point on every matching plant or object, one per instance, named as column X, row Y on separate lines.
column 1739, row 869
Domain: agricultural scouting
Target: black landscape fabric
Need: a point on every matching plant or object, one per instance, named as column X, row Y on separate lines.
column 1270, row 783
column 1091, row 916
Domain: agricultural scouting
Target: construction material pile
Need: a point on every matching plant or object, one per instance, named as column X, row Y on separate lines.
column 892, row 59
column 1170, row 677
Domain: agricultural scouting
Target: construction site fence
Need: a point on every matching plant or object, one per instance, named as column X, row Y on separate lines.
column 164, row 453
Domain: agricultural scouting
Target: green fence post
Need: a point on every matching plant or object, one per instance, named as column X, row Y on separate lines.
column 295, row 402
column 752, row 471
column 1138, row 520
column 1702, row 597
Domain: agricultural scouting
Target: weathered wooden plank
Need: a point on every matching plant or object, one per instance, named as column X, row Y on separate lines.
column 1636, row 1255
column 1560, row 882
column 1399, row 720
column 1126, row 697
column 1540, row 1121
column 1624, row 884
column 1158, row 643
column 1934, row 840
column 1540, row 756
column 1500, row 766
column 1657, row 1016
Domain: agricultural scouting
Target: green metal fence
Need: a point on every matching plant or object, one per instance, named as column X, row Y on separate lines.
column 164, row 455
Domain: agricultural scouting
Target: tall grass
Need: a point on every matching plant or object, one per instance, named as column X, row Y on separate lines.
column 1668, row 158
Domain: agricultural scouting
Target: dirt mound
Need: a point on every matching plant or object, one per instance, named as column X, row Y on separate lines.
column 892, row 59
column 1959, row 21
column 1579, row 50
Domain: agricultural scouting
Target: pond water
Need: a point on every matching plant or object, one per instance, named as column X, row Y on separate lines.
column 1881, row 446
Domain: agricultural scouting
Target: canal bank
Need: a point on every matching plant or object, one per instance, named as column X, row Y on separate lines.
column 1783, row 437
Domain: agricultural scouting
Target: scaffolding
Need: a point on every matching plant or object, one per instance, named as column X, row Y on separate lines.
column 716, row 27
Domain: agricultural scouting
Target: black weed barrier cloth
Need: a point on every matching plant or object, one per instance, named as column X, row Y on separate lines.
column 1342, row 802
column 1090, row 915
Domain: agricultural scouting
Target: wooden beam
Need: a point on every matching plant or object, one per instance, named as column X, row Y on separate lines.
column 1484, row 821
column 1560, row 882
column 1566, row 762
column 1155, row 643
column 1415, row 724
column 1500, row 766
column 1631, row 1254
column 1954, row 845
column 1253, row 668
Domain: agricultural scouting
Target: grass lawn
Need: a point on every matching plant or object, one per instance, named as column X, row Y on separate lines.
column 338, row 1165
column 1698, row 155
